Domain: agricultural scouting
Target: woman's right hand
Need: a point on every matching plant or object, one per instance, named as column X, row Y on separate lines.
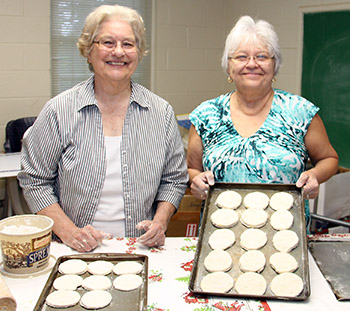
column 84, row 239
column 201, row 183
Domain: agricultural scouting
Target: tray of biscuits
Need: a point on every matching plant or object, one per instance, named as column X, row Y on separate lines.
column 103, row 281
column 252, row 243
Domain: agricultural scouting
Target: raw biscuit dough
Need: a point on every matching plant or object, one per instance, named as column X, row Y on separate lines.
column 222, row 239
column 285, row 240
column 96, row 299
column 63, row 298
column 229, row 199
column 253, row 239
column 218, row 260
column 283, row 262
column 73, row 266
column 281, row 220
column 224, row 218
column 100, row 267
column 127, row 267
column 251, row 283
column 256, row 199
column 281, row 200
column 287, row 285
column 254, row 217
column 252, row 261
column 67, row 282
column 97, row 282
column 217, row 282
column 127, row 282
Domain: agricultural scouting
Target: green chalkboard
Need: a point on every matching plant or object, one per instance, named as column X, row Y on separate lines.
column 326, row 74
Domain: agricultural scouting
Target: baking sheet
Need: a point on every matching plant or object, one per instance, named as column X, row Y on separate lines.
column 299, row 253
column 135, row 300
column 333, row 259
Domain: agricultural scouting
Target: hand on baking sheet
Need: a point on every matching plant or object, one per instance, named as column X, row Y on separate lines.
column 85, row 239
column 200, row 184
column 155, row 233
column 310, row 184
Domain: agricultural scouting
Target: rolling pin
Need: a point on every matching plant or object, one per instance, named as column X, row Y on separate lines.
column 7, row 302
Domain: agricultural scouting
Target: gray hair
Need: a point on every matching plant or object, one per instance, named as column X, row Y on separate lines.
column 260, row 32
column 102, row 13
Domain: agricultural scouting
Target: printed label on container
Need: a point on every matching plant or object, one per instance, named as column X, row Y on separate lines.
column 37, row 256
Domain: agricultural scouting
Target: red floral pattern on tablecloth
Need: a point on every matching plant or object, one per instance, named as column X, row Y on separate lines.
column 161, row 279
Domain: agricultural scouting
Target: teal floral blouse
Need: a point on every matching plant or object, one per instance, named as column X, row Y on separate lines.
column 276, row 153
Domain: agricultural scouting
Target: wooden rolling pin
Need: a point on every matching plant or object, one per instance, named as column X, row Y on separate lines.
column 7, row 302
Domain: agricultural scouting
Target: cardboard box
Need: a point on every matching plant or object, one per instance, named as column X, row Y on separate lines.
column 185, row 223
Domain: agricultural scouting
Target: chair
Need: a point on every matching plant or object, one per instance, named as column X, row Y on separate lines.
column 14, row 199
column 15, row 130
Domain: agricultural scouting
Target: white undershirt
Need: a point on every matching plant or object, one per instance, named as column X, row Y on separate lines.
column 110, row 216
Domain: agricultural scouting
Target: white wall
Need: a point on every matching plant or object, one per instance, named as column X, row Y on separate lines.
column 24, row 59
column 189, row 37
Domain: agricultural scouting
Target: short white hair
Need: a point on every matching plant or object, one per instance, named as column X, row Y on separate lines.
column 249, row 30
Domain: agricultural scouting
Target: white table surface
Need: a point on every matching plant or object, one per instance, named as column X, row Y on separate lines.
column 168, row 281
column 10, row 164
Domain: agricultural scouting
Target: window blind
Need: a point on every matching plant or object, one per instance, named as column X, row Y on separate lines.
column 68, row 67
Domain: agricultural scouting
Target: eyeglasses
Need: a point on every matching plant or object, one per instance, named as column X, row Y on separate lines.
column 260, row 59
column 110, row 44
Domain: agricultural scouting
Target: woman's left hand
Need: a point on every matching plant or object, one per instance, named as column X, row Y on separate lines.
column 155, row 233
column 310, row 184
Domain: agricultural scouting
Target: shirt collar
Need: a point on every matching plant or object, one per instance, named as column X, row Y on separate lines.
column 88, row 98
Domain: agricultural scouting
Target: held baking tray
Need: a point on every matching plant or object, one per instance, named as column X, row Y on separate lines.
column 135, row 300
column 299, row 253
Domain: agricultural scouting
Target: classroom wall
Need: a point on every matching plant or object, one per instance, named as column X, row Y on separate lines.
column 24, row 59
column 188, row 40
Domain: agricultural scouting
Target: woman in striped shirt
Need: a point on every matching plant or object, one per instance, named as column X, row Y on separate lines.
column 105, row 157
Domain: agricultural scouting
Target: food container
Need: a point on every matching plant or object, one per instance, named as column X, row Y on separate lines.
column 135, row 300
column 25, row 243
column 299, row 253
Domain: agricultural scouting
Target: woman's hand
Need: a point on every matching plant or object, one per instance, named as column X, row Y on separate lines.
column 156, row 228
column 310, row 184
column 200, row 184
column 81, row 239
column 155, row 233
column 84, row 239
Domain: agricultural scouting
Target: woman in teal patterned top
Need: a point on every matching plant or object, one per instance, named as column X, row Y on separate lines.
column 257, row 134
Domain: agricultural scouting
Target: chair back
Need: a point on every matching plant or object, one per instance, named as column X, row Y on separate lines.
column 14, row 132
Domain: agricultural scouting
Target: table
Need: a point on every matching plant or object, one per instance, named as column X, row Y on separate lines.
column 10, row 165
column 169, row 273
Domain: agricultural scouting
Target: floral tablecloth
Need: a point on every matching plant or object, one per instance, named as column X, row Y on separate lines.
column 168, row 276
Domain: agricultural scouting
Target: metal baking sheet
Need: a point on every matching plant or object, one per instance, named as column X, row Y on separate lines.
column 333, row 259
column 135, row 300
column 299, row 253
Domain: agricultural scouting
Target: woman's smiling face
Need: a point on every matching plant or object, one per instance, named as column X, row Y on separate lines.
column 252, row 73
column 119, row 62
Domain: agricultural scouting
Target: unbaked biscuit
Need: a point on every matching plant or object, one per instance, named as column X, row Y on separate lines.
column 217, row 282
column 253, row 239
column 251, row 283
column 229, row 199
column 224, row 218
column 222, row 239
column 287, row 285
column 256, row 199
column 285, row 240
column 281, row 200
column 281, row 220
column 73, row 266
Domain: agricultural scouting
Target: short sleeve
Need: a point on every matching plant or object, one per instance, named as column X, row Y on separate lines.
column 210, row 114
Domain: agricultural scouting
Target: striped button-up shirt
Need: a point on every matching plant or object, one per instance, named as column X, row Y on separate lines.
column 64, row 158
